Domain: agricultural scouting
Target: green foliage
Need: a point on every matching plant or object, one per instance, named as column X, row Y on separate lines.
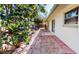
column 37, row 21
column 16, row 19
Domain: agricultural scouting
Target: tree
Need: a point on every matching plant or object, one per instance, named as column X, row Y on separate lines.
column 16, row 20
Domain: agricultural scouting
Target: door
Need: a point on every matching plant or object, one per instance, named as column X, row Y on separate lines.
column 53, row 25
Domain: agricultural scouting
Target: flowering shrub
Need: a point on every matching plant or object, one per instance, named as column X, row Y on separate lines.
column 16, row 21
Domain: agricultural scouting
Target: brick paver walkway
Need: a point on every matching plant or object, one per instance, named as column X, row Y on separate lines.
column 43, row 42
column 46, row 43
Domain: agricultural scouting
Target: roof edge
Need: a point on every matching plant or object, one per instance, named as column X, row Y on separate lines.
column 52, row 10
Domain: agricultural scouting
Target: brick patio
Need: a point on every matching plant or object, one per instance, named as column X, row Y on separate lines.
column 44, row 42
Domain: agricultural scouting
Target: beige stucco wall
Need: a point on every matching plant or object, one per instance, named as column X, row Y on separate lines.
column 69, row 35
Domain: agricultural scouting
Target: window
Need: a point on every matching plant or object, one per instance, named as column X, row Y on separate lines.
column 71, row 17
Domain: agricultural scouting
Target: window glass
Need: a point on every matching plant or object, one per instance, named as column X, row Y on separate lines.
column 71, row 17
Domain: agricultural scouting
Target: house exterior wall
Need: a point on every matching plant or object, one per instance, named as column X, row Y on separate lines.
column 69, row 35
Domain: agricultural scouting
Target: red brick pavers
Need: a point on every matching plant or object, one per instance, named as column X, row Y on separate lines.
column 45, row 43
